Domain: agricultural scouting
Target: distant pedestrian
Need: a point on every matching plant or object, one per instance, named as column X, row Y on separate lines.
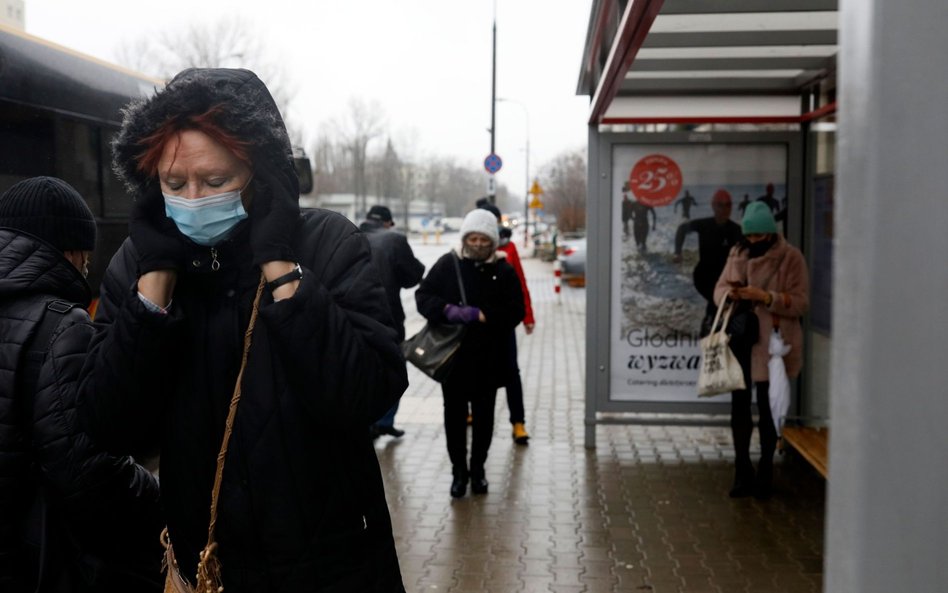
column 771, row 275
column 686, row 201
column 398, row 269
column 494, row 307
column 73, row 517
column 513, row 385
column 716, row 236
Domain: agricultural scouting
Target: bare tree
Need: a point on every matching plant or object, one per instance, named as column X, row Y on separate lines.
column 331, row 167
column 224, row 43
column 564, row 181
column 397, row 171
column 388, row 177
column 363, row 122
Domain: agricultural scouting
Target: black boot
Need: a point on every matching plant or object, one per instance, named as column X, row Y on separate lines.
column 743, row 481
column 459, row 483
column 478, row 482
column 763, row 485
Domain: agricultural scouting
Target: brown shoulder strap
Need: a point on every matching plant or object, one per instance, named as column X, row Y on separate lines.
column 209, row 570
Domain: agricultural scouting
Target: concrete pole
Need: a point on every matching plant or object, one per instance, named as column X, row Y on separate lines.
column 887, row 518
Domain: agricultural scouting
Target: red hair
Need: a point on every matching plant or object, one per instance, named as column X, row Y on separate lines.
column 153, row 145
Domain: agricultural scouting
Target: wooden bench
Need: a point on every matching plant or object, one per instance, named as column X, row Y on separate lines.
column 812, row 443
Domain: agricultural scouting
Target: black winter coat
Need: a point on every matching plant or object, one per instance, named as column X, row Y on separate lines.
column 302, row 506
column 494, row 288
column 102, row 514
column 397, row 266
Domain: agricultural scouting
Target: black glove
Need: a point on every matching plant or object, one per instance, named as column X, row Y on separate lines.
column 159, row 244
column 274, row 211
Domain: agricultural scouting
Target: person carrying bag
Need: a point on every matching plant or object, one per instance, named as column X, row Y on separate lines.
column 480, row 292
column 771, row 275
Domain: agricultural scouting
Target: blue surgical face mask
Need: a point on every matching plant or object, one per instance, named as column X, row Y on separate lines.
column 206, row 221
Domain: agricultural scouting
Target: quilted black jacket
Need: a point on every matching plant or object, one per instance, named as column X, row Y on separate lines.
column 101, row 511
column 302, row 506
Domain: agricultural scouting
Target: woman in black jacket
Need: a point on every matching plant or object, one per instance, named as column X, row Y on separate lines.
column 73, row 517
column 301, row 504
column 494, row 308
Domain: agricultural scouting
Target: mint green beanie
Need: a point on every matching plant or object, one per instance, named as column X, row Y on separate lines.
column 758, row 219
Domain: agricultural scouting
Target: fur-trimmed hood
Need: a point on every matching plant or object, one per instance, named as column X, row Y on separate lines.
column 247, row 110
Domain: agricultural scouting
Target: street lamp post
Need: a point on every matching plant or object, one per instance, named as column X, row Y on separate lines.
column 526, row 172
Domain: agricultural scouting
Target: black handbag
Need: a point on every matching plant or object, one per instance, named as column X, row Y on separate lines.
column 743, row 326
column 434, row 349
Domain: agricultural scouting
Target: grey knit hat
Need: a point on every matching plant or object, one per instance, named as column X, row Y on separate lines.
column 480, row 221
column 49, row 208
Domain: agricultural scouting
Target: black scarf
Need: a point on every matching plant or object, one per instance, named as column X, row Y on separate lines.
column 759, row 248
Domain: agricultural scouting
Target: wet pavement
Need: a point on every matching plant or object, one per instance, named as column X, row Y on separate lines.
column 647, row 510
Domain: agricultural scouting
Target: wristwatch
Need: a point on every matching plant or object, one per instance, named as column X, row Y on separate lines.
column 295, row 274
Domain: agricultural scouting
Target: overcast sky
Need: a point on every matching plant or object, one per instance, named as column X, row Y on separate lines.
column 427, row 63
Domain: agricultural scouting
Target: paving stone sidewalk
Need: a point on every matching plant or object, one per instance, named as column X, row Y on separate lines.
column 646, row 511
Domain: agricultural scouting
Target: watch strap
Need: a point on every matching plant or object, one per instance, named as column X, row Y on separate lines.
column 295, row 274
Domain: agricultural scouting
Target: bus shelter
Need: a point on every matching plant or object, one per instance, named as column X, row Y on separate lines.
column 691, row 98
column 865, row 203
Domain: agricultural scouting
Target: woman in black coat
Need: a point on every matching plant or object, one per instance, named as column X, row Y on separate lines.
column 73, row 517
column 301, row 504
column 494, row 308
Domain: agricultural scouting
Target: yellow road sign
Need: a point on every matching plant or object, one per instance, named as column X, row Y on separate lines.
column 535, row 191
column 536, row 203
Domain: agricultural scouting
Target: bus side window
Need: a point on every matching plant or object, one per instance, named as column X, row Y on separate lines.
column 117, row 203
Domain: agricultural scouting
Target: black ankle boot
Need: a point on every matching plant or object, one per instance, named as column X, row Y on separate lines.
column 478, row 483
column 763, row 485
column 743, row 481
column 459, row 483
column 478, row 486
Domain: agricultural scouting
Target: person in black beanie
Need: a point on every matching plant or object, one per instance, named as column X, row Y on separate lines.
column 215, row 222
column 73, row 517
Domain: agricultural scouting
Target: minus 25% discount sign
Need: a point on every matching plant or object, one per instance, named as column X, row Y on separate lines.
column 655, row 180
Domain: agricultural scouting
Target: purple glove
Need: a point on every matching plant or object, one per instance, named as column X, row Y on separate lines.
column 461, row 314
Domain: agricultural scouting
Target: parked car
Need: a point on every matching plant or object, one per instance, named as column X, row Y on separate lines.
column 572, row 260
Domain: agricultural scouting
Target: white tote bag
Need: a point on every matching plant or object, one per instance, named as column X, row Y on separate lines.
column 720, row 371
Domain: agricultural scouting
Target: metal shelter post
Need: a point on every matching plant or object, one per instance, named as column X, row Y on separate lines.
column 887, row 526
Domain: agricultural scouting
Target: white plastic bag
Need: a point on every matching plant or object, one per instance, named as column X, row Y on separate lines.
column 779, row 382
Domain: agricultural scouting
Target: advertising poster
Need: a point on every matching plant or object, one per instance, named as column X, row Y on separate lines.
column 656, row 311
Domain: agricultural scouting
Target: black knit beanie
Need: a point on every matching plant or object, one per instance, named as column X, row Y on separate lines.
column 49, row 208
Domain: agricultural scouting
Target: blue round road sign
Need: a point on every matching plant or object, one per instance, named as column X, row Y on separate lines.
column 493, row 163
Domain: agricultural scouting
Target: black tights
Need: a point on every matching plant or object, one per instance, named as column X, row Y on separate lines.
column 513, row 385
column 456, row 398
column 742, row 426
